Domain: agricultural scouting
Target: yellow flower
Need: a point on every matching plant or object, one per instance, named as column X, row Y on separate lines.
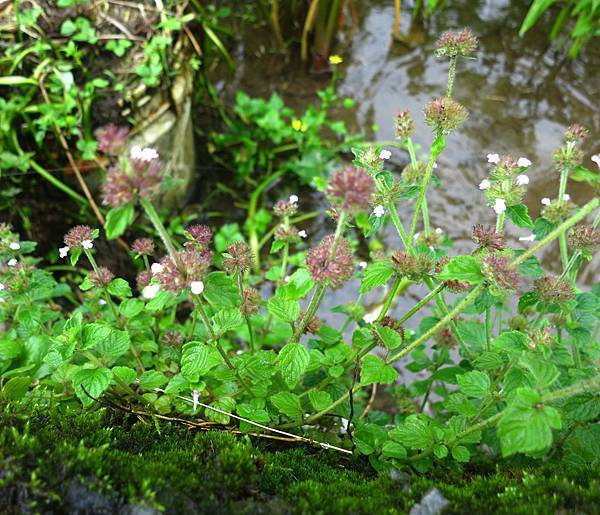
column 299, row 125
column 335, row 59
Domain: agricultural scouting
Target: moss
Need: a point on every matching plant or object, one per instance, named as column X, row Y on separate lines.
column 102, row 462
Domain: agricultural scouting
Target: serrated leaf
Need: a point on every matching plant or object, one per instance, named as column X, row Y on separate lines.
column 227, row 320
column 285, row 310
column 462, row 268
column 288, row 404
column 511, row 341
column 194, row 361
column 118, row 219
column 16, row 388
column 93, row 380
column 293, row 362
column 376, row 274
column 125, row 374
column 152, row 379
column 319, row 400
column 461, row 454
column 220, row 291
column 474, row 383
column 519, row 215
column 375, row 370
column 391, row 449
column 390, row 338
column 119, row 288
column 10, row 349
column 413, row 433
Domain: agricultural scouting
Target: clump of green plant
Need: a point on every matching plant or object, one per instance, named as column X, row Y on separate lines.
column 510, row 364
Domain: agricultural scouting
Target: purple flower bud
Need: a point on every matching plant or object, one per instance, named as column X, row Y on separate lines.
column 415, row 267
column 502, row 277
column 488, row 239
column 285, row 208
column 239, row 257
column 143, row 246
column 575, row 132
column 111, row 139
column 313, row 326
column 190, row 265
column 122, row 186
column 250, row 301
column 444, row 114
column 172, row 339
column 102, row 277
column 331, row 271
column 585, row 238
column 452, row 44
column 143, row 279
column 77, row 235
column 199, row 234
column 403, row 125
column 553, row 289
column 351, row 189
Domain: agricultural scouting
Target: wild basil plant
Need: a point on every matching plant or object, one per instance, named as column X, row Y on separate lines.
column 509, row 353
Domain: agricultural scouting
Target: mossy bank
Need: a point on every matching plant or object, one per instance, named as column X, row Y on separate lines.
column 101, row 462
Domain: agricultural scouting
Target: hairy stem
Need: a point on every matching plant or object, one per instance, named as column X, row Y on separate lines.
column 160, row 228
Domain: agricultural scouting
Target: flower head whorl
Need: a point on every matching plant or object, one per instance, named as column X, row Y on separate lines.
column 350, row 189
column 333, row 271
column 445, row 114
column 453, row 44
column 79, row 237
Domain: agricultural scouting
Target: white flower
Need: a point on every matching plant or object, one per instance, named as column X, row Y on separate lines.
column 287, row 279
column 2, row 287
column 102, row 302
column 62, row 252
column 416, row 235
column 12, row 262
column 379, row 211
column 362, row 264
column 150, row 291
column 500, row 206
column 156, row 268
column 546, row 201
column 522, row 180
column 369, row 318
column 302, row 233
column 385, row 154
column 434, row 165
column 293, row 199
column 485, row 184
column 523, row 161
column 15, row 246
column 566, row 197
column 439, row 230
column 195, row 397
column 596, row 159
column 143, row 154
column 493, row 158
column 345, row 423
column 87, row 244
column 531, row 237
column 197, row 287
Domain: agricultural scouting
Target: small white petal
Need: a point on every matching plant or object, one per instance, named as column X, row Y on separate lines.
column 102, row 302
column 524, row 162
column 363, row 264
column 150, row 291
column 493, row 158
column 62, row 251
column 156, row 268
column 566, row 197
column 531, row 237
column 293, row 199
column 345, row 423
column 439, row 230
column 434, row 165
column 15, row 246
column 522, row 180
column 500, row 206
column 195, row 398
column 485, row 184
column 197, row 287
column 12, row 262
column 302, row 233
column 286, row 279
column 379, row 211
column 385, row 154
column 416, row 235
column 596, row 159
column 87, row 244
column 546, row 201
column 2, row 287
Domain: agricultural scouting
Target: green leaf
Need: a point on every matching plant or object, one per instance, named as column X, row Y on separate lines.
column 299, row 285
column 152, row 379
column 461, row 454
column 16, row 388
column 220, row 291
column 288, row 404
column 511, row 341
column 413, row 433
column 543, row 372
column 531, row 267
column 376, row 274
column 125, row 374
column 118, row 219
column 194, row 361
column 391, row 339
column 10, row 349
column 177, row 384
column 105, row 339
column 119, row 288
column 462, row 268
column 224, row 404
column 474, row 383
column 391, row 449
column 285, row 310
column 375, row 370
column 93, row 380
column 519, row 215
column 526, row 425
column 227, row 320
column 131, row 307
column 319, row 400
column 440, row 451
column 369, row 438
column 293, row 361
column 438, row 145
column 582, row 174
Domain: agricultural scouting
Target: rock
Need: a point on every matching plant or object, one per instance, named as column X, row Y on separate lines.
column 432, row 503
column 401, row 477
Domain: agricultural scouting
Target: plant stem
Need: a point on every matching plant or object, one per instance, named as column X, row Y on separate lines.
column 390, row 298
column 564, row 252
column 160, row 228
column 424, row 184
column 451, row 73
column 488, row 328
column 398, row 225
column 500, row 222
